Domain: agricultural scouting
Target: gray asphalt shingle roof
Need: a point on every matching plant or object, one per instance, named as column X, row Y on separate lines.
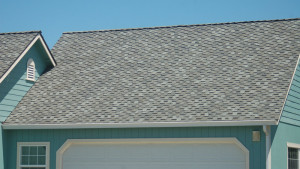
column 11, row 47
column 210, row 72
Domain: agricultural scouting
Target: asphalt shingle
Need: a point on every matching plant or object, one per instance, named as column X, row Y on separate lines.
column 210, row 72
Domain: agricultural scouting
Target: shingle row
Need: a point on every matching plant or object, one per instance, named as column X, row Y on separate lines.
column 214, row 72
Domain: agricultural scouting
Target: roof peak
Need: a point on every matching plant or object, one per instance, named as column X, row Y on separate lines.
column 174, row 26
column 24, row 32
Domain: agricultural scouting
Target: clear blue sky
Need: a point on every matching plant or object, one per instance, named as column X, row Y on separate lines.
column 54, row 17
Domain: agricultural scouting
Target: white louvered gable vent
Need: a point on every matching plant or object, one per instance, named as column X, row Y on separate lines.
column 30, row 70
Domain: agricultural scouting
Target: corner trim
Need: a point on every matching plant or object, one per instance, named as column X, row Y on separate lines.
column 70, row 142
column 38, row 37
column 137, row 125
column 267, row 131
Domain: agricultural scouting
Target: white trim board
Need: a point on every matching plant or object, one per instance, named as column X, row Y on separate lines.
column 291, row 145
column 137, row 125
column 38, row 37
column 47, row 144
column 70, row 142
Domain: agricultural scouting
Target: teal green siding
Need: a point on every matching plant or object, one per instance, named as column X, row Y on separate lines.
column 282, row 134
column 291, row 111
column 15, row 86
column 59, row 136
column 288, row 129
column 1, row 150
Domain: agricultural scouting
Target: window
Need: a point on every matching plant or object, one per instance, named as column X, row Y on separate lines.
column 293, row 156
column 30, row 70
column 33, row 155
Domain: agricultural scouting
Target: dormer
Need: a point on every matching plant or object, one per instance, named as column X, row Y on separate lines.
column 24, row 57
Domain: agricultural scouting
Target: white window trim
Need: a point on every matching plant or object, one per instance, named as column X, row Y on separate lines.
column 69, row 142
column 292, row 145
column 19, row 144
column 30, row 62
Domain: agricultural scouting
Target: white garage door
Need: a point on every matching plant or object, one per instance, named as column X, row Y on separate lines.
column 155, row 154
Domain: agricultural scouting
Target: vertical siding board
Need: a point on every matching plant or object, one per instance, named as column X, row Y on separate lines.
column 54, row 146
column 256, row 156
column 135, row 132
column 110, row 133
column 205, row 132
column 69, row 133
column 88, row 133
column 58, row 137
column 211, row 132
column 6, row 139
column 263, row 149
column 26, row 135
column 76, row 133
column 148, row 132
column 182, row 133
column 241, row 134
column 105, row 133
column 121, row 133
column 114, row 133
column 234, row 132
column 249, row 144
column 219, row 132
column 151, row 135
column 81, row 134
column 13, row 149
column 166, row 133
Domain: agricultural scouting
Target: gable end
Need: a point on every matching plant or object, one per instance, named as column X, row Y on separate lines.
column 38, row 37
column 291, row 110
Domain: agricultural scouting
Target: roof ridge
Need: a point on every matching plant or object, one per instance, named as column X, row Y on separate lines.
column 24, row 32
column 175, row 26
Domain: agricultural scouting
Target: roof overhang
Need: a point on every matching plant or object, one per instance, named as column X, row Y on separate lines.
column 140, row 125
column 41, row 39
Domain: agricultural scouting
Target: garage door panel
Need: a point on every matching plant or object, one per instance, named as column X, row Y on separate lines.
column 168, row 166
column 159, row 156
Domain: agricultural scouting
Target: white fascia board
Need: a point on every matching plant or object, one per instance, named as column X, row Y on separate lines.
column 47, row 50
column 38, row 37
column 288, row 89
column 140, row 125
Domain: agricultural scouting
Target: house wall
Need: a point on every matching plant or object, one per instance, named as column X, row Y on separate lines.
column 291, row 111
column 288, row 129
column 15, row 86
column 282, row 134
column 57, row 137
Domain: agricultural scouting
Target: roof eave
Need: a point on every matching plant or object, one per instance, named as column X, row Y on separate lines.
column 140, row 125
